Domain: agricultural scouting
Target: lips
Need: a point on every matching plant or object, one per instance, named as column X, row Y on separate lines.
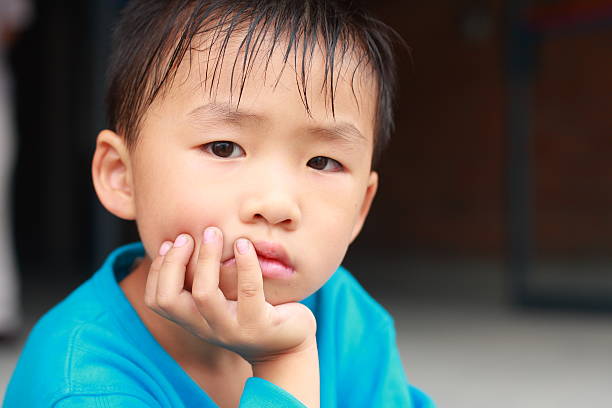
column 272, row 258
column 272, row 251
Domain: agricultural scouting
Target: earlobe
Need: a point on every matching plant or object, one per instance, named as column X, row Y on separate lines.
column 366, row 204
column 111, row 173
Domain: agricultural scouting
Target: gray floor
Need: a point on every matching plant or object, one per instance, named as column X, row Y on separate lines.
column 464, row 346
column 494, row 357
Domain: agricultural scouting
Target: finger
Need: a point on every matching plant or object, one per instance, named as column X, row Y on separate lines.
column 171, row 277
column 206, row 293
column 153, row 275
column 251, row 300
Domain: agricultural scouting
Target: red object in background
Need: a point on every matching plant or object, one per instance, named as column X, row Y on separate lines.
column 570, row 13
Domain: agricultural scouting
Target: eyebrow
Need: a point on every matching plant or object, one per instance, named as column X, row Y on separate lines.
column 344, row 132
column 224, row 112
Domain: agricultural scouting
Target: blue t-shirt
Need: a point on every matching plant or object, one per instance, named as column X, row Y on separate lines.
column 92, row 350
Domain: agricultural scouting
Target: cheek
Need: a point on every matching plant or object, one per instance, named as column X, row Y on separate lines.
column 332, row 242
column 165, row 211
column 336, row 217
column 329, row 238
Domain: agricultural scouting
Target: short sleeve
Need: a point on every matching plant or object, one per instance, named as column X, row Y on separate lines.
column 259, row 393
column 103, row 401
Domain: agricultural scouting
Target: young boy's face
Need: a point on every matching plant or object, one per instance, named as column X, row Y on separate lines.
column 263, row 185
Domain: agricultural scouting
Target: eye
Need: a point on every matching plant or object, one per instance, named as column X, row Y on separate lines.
column 324, row 163
column 224, row 149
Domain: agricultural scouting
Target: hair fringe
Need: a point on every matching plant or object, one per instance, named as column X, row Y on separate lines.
column 153, row 37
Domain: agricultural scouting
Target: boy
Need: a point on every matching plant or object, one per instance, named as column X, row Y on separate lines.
column 243, row 142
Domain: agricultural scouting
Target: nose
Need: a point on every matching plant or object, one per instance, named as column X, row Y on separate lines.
column 274, row 207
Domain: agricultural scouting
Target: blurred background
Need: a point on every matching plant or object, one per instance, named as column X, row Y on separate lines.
column 490, row 238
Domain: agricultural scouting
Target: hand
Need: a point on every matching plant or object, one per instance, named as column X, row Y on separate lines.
column 250, row 327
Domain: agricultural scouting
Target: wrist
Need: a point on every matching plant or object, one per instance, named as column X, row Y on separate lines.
column 297, row 355
column 295, row 371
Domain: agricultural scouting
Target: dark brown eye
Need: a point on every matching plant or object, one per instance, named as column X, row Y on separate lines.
column 224, row 149
column 324, row 163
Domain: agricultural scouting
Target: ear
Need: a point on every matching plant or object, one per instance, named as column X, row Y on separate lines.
column 365, row 205
column 111, row 173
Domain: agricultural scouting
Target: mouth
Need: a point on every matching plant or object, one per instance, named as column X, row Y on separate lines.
column 273, row 260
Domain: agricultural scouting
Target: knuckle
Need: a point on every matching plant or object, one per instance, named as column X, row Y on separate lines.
column 165, row 302
column 173, row 261
column 249, row 290
column 157, row 263
column 249, row 335
column 155, row 308
column 149, row 301
column 210, row 263
column 201, row 296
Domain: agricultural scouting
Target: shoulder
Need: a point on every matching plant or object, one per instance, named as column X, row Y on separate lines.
column 358, row 353
column 349, row 319
column 70, row 345
column 344, row 300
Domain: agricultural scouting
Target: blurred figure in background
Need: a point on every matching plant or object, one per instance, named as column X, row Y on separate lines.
column 14, row 16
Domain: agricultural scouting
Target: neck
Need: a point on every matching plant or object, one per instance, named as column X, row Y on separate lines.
column 184, row 347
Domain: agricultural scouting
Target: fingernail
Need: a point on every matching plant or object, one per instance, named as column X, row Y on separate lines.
column 210, row 234
column 165, row 247
column 243, row 245
column 180, row 241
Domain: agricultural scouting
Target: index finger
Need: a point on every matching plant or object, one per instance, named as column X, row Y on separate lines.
column 251, row 299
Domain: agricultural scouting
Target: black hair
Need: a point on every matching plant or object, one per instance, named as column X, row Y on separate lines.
column 152, row 38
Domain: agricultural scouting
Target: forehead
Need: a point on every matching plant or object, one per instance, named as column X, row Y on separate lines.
column 253, row 79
